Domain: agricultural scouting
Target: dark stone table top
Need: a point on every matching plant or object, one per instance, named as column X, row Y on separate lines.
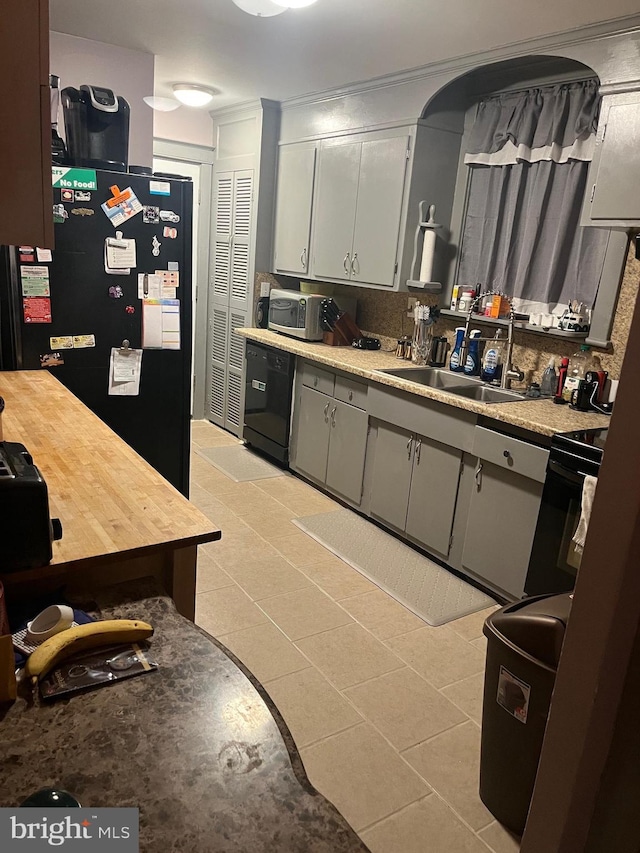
column 197, row 746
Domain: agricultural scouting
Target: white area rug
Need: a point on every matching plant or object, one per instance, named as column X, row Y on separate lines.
column 239, row 463
column 433, row 593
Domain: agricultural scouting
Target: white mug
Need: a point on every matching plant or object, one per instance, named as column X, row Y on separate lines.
column 52, row 620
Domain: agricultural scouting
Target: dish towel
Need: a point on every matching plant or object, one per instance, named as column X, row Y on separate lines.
column 588, row 491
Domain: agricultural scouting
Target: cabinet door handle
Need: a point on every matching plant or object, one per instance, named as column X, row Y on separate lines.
column 326, row 414
column 350, row 396
column 355, row 265
column 303, row 258
column 418, row 449
column 315, row 381
column 478, row 475
column 409, row 447
column 333, row 416
column 345, row 263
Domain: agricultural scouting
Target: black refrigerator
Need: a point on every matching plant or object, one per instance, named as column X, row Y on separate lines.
column 65, row 313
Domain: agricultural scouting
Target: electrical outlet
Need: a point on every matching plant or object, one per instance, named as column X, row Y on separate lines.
column 265, row 288
column 411, row 304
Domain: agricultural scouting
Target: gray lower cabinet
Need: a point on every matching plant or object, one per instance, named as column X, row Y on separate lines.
column 331, row 443
column 312, row 437
column 503, row 510
column 415, row 485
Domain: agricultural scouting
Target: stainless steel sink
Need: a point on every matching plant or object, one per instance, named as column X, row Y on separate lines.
column 456, row 383
column 434, row 377
column 487, row 394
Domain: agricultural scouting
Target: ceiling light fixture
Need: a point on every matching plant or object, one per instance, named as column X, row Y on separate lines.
column 261, row 8
column 192, row 95
column 163, row 105
column 294, row 4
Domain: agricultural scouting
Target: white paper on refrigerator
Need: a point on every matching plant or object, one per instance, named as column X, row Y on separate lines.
column 125, row 368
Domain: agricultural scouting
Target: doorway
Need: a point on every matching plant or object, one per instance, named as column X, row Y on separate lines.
column 195, row 162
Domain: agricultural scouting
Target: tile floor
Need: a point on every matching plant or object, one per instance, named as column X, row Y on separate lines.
column 384, row 709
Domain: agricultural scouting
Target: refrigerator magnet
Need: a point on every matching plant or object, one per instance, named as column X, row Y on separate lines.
column 60, row 215
column 34, row 281
column 82, row 211
column 61, row 342
column 172, row 233
column 155, row 246
column 81, row 195
column 26, row 254
column 115, row 292
column 122, row 206
column 84, row 341
column 169, row 216
column 51, row 359
column 44, row 256
column 150, row 214
column 66, row 195
column 130, row 309
column 36, row 309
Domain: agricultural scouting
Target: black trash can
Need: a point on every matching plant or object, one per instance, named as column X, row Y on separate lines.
column 524, row 643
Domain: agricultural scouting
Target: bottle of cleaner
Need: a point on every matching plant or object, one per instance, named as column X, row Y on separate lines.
column 455, row 362
column 579, row 364
column 492, row 362
column 549, row 380
column 472, row 361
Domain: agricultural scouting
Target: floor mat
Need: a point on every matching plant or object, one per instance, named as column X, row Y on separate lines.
column 430, row 591
column 239, row 463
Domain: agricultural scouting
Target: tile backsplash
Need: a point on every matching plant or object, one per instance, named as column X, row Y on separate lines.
column 384, row 315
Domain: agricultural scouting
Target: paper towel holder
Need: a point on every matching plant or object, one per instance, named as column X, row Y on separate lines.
column 426, row 222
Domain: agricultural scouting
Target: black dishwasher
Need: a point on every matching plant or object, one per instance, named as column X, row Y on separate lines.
column 267, row 402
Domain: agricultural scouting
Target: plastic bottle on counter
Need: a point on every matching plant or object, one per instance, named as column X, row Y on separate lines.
column 492, row 361
column 455, row 362
column 472, row 361
column 549, row 382
column 579, row 363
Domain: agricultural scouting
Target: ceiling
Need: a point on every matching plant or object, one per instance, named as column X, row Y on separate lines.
column 329, row 44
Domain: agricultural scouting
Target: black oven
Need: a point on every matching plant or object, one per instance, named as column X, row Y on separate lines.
column 554, row 561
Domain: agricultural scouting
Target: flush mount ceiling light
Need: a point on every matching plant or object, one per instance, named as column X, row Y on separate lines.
column 163, row 105
column 261, row 8
column 294, row 4
column 192, row 95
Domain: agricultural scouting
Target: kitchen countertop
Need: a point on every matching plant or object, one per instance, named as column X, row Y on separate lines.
column 112, row 504
column 197, row 746
column 540, row 416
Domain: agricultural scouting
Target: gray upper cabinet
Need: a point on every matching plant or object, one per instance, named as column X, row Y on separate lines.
column 612, row 198
column 380, row 190
column 294, row 198
column 358, row 208
column 335, row 209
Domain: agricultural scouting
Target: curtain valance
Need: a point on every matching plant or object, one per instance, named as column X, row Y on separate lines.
column 556, row 123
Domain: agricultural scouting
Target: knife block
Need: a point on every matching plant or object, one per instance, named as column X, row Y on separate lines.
column 344, row 332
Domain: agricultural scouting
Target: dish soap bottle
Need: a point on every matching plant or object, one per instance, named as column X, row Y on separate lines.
column 578, row 366
column 492, row 363
column 455, row 362
column 472, row 361
column 549, row 380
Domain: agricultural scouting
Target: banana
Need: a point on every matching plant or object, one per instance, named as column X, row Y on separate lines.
column 61, row 646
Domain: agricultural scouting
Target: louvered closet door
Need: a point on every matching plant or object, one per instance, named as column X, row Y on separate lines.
column 223, row 225
column 240, row 239
column 217, row 382
column 234, row 420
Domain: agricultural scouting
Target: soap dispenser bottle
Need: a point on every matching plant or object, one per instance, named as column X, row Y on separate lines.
column 492, row 361
column 455, row 362
column 472, row 361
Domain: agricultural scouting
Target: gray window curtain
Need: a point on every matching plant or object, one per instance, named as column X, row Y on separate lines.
column 529, row 155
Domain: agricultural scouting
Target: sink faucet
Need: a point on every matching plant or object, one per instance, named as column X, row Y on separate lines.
column 509, row 371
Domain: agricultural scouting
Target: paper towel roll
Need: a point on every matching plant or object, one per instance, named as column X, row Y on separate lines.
column 428, row 252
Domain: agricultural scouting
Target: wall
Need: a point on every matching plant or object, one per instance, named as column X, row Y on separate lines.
column 128, row 72
column 186, row 124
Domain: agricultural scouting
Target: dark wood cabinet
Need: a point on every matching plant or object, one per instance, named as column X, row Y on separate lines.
column 25, row 147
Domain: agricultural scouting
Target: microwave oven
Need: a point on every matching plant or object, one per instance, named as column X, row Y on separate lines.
column 298, row 314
